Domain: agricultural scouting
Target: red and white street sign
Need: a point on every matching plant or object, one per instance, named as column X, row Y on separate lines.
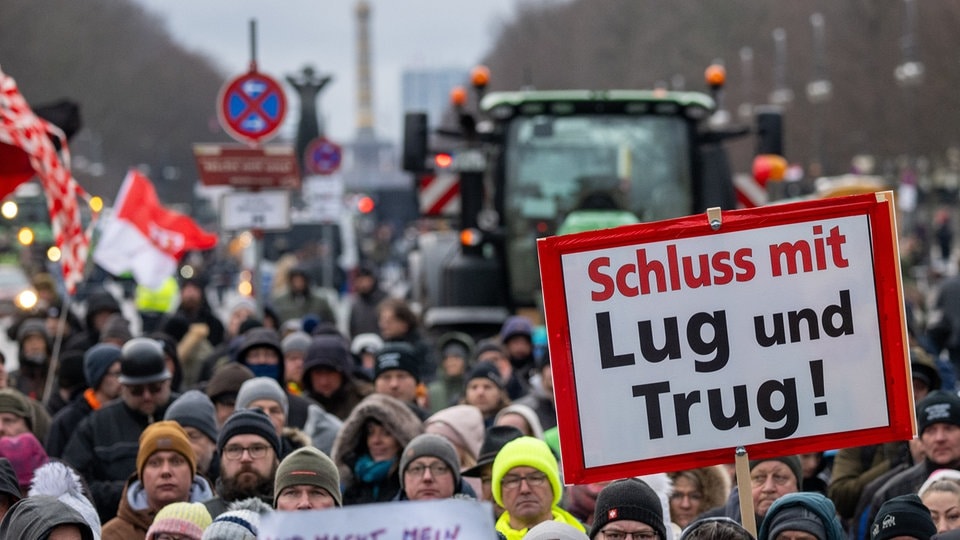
column 750, row 192
column 322, row 156
column 439, row 194
column 673, row 343
column 271, row 166
column 251, row 107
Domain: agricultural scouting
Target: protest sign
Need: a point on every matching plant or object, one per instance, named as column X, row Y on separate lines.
column 448, row 519
column 781, row 330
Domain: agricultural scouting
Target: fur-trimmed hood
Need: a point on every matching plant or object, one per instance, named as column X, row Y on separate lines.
column 715, row 483
column 392, row 413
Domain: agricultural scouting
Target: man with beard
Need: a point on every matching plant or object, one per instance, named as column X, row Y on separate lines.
column 248, row 447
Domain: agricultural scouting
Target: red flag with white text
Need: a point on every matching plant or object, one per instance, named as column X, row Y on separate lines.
column 145, row 238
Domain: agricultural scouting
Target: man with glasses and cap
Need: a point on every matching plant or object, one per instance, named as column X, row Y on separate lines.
column 104, row 447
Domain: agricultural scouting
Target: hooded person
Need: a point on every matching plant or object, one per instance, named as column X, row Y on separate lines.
column 462, row 425
column 57, row 479
column 526, row 483
column 367, row 295
column 294, row 346
column 367, row 450
column 430, row 469
column 328, row 376
column 9, row 486
column 100, row 305
column 522, row 417
column 805, row 512
column 166, row 473
column 36, row 518
column 33, row 352
column 456, row 350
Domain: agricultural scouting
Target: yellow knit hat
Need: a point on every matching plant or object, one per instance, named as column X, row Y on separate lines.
column 165, row 435
column 526, row 452
column 182, row 518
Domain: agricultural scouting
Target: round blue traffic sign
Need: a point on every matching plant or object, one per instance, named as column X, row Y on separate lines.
column 322, row 156
column 251, row 107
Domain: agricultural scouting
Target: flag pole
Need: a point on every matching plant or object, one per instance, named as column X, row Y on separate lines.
column 55, row 355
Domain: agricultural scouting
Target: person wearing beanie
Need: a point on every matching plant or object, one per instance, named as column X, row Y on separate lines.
column 240, row 522
column 367, row 449
column 103, row 447
column 307, row 479
column 430, row 469
column 803, row 512
column 166, row 472
column 57, row 479
column 903, row 516
column 294, row 346
column 265, row 394
column 101, row 369
column 522, row 417
column 397, row 374
column 493, row 440
column 249, row 448
column 16, row 414
column 555, row 530
column 485, row 391
column 223, row 387
column 364, row 349
column 516, row 335
column 715, row 528
column 195, row 413
column 33, row 352
column 938, row 427
column 25, row 454
column 627, row 506
column 9, row 486
column 328, row 376
column 183, row 520
column 367, row 295
column 526, row 483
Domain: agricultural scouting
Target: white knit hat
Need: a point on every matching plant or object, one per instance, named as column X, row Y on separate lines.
column 242, row 522
column 57, row 479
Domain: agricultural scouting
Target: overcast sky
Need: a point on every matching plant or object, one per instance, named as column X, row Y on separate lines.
column 293, row 33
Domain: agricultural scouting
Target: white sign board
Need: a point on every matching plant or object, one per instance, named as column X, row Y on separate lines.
column 263, row 210
column 744, row 336
column 448, row 519
column 323, row 196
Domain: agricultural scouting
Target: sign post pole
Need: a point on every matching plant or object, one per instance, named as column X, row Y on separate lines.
column 747, row 516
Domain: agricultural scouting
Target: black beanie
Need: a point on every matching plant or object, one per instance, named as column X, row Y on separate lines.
column 938, row 407
column 486, row 370
column 397, row 355
column 903, row 516
column 631, row 499
column 249, row 421
column 790, row 461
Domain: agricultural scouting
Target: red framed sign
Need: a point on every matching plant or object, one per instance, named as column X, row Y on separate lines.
column 781, row 330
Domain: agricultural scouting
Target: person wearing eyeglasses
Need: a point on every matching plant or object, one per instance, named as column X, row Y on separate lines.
column 430, row 469
column 103, row 448
column 526, row 483
column 697, row 490
column 770, row 479
column 248, row 447
column 166, row 473
column 628, row 509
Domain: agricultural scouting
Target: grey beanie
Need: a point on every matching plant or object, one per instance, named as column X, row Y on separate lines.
column 308, row 466
column 97, row 361
column 797, row 518
column 262, row 388
column 298, row 341
column 194, row 409
column 428, row 444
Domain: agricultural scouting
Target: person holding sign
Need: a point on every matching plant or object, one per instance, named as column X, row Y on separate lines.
column 526, row 482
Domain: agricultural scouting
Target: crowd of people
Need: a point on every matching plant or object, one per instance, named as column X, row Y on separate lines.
column 199, row 427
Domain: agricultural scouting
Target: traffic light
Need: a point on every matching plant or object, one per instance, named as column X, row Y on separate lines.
column 365, row 204
column 442, row 160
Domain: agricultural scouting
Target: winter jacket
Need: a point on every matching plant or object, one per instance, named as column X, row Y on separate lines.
column 559, row 514
column 104, row 451
column 134, row 516
column 363, row 312
column 64, row 423
column 854, row 468
column 295, row 306
column 33, row 518
column 821, row 506
column 351, row 444
column 907, row 481
column 345, row 399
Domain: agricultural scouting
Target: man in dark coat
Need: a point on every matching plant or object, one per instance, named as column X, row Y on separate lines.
column 367, row 295
column 104, row 447
column 328, row 376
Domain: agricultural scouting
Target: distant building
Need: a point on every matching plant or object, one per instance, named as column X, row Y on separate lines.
column 428, row 90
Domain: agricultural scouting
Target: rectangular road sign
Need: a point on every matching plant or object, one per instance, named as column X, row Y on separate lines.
column 269, row 166
column 263, row 210
column 673, row 343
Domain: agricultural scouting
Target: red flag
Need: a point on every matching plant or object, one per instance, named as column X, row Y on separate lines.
column 145, row 238
column 22, row 130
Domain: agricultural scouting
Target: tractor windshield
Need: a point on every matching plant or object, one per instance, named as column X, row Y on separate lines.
column 561, row 168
